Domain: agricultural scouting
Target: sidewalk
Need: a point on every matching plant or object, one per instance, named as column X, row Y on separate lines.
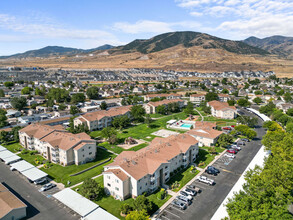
column 199, row 114
column 173, row 194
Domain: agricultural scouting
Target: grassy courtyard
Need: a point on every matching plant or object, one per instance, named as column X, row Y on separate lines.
column 182, row 178
column 118, row 150
column 204, row 158
column 13, row 147
column 62, row 174
column 112, row 205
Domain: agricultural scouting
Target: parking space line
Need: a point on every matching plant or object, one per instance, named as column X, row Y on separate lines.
column 179, row 210
column 164, row 217
column 172, row 214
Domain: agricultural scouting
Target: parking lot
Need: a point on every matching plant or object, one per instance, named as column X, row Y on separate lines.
column 206, row 203
column 41, row 205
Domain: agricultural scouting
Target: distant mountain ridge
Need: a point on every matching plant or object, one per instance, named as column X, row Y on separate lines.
column 55, row 51
column 187, row 39
column 279, row 45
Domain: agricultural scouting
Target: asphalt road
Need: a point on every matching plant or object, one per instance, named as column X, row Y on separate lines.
column 207, row 202
column 40, row 205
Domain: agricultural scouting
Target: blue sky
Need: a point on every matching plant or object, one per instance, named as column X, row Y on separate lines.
column 32, row 24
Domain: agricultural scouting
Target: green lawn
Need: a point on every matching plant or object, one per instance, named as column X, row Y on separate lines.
column 201, row 111
column 62, row 174
column 183, row 177
column 218, row 149
column 118, row 150
column 211, row 118
column 31, row 158
column 13, row 147
column 204, row 156
column 142, row 131
column 112, row 205
column 157, row 115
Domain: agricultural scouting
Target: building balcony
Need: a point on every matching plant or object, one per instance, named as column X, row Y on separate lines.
column 153, row 185
column 55, row 160
column 56, row 155
column 153, row 178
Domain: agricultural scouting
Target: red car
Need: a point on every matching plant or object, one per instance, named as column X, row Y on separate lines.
column 233, row 126
column 226, row 128
column 231, row 151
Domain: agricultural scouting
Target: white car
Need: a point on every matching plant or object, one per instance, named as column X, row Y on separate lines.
column 206, row 180
column 236, row 147
column 186, row 195
column 229, row 155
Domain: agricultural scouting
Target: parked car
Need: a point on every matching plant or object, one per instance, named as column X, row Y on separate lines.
column 193, row 187
column 189, row 191
column 231, row 151
column 183, row 199
column 212, row 170
column 40, row 181
column 233, row 126
column 206, row 180
column 186, row 195
column 227, row 128
column 245, row 139
column 47, row 187
column 241, row 143
column 229, row 155
column 235, row 147
column 179, row 204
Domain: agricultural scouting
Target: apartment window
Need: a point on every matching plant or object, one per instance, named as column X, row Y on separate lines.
column 89, row 147
column 139, row 181
column 139, row 187
column 166, row 174
column 83, row 155
column 146, row 184
column 116, row 188
column 166, row 167
column 117, row 181
column 108, row 184
column 82, row 149
column 108, row 177
column 90, row 153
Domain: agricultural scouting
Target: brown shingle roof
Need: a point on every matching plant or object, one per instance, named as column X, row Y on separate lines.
column 220, row 105
column 119, row 173
column 8, row 201
column 197, row 95
column 147, row 160
column 164, row 102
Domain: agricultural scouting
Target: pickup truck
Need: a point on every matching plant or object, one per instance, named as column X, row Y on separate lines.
column 206, row 180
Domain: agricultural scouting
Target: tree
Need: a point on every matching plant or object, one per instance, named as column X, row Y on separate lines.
column 2, row 94
column 15, row 133
column 290, row 112
column 189, row 109
column 4, row 137
column 58, row 95
column 143, row 203
column 243, row 102
column 210, row 96
column 26, row 90
column 137, row 215
column 125, row 208
column 8, row 84
column 225, row 91
column 231, row 102
column 289, row 127
column 224, row 140
column 138, row 112
column 92, row 92
column 62, row 107
column 3, row 118
column 267, row 109
column 161, row 109
column 18, row 103
column 148, row 120
column 74, row 110
column 224, row 81
column 77, row 97
column 121, row 122
column 91, row 189
column 108, row 132
column 288, row 97
column 258, row 92
column 257, row 100
column 250, row 134
column 103, row 106
column 40, row 92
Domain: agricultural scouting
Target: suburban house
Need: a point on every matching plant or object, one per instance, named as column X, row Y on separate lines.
column 58, row 145
column 150, row 108
column 197, row 98
column 133, row 173
column 222, row 110
column 11, row 207
column 101, row 119
column 167, row 96
column 205, row 133
column 223, row 97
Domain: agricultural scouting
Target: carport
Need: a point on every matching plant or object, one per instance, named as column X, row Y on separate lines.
column 87, row 209
column 22, row 166
column 34, row 174
column 6, row 154
column 2, row 148
column 12, row 159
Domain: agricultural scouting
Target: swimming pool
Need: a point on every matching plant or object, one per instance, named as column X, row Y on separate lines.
column 186, row 125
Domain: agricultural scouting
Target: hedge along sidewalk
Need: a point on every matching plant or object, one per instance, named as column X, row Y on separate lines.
column 154, row 216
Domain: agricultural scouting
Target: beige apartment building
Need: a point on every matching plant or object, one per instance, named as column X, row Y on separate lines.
column 57, row 145
column 133, row 173
column 151, row 107
column 222, row 110
column 197, row 98
column 101, row 119
column 167, row 96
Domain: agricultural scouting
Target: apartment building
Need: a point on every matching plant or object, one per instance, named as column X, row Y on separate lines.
column 197, row 98
column 167, row 96
column 58, row 145
column 151, row 107
column 223, row 97
column 205, row 133
column 101, row 119
column 222, row 110
column 133, row 173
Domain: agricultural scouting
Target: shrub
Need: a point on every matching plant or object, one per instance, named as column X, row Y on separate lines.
column 25, row 151
column 162, row 194
column 201, row 164
column 125, row 208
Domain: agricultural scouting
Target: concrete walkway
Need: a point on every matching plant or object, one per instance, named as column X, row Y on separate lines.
column 82, row 181
column 107, row 150
column 174, row 194
column 199, row 114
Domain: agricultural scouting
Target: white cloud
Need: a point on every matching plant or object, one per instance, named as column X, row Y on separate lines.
column 147, row 26
column 196, row 14
column 45, row 28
